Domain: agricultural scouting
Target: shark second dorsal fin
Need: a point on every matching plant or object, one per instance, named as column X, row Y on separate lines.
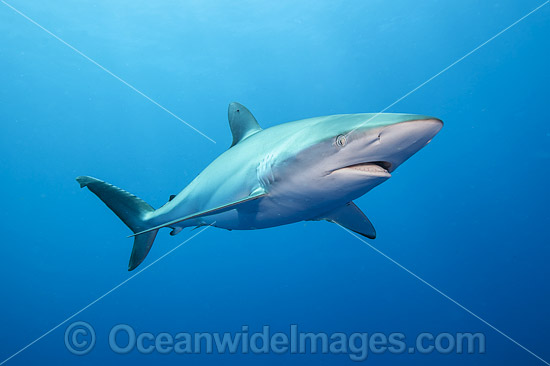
column 242, row 122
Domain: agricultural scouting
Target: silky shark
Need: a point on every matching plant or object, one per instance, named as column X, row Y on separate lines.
column 311, row 169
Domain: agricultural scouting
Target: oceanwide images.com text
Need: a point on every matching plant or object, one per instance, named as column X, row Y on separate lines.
column 80, row 339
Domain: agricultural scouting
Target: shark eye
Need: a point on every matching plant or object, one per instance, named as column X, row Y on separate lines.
column 341, row 140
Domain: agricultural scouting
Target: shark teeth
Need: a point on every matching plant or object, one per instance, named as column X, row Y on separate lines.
column 370, row 168
column 375, row 169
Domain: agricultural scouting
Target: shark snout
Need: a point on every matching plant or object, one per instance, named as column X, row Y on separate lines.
column 399, row 141
column 405, row 134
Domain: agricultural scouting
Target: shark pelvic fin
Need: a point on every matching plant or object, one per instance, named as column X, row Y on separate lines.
column 352, row 218
column 242, row 122
column 258, row 193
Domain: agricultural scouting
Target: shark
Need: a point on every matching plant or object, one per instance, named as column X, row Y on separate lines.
column 306, row 170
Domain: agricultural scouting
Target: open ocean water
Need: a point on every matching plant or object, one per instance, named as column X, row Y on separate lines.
column 468, row 214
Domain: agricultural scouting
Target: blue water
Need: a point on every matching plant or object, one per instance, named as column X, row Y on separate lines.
column 468, row 214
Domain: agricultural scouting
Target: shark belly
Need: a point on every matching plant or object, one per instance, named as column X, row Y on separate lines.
column 287, row 204
column 264, row 214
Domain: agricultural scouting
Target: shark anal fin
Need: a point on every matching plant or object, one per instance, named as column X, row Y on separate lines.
column 241, row 122
column 352, row 218
column 176, row 230
column 213, row 211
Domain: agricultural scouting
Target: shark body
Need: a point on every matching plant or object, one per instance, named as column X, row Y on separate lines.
column 311, row 169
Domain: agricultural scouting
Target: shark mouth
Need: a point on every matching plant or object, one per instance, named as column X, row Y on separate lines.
column 372, row 169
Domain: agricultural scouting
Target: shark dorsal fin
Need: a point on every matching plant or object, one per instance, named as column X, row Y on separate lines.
column 242, row 122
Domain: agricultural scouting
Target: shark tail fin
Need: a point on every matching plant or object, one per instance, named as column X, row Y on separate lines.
column 132, row 210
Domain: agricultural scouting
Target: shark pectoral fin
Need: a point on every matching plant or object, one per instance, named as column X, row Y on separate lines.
column 242, row 203
column 352, row 218
column 241, row 122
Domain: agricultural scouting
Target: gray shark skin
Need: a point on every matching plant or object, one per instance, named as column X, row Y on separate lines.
column 311, row 169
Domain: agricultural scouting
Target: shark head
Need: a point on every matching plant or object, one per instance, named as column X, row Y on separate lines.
column 376, row 147
column 351, row 154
